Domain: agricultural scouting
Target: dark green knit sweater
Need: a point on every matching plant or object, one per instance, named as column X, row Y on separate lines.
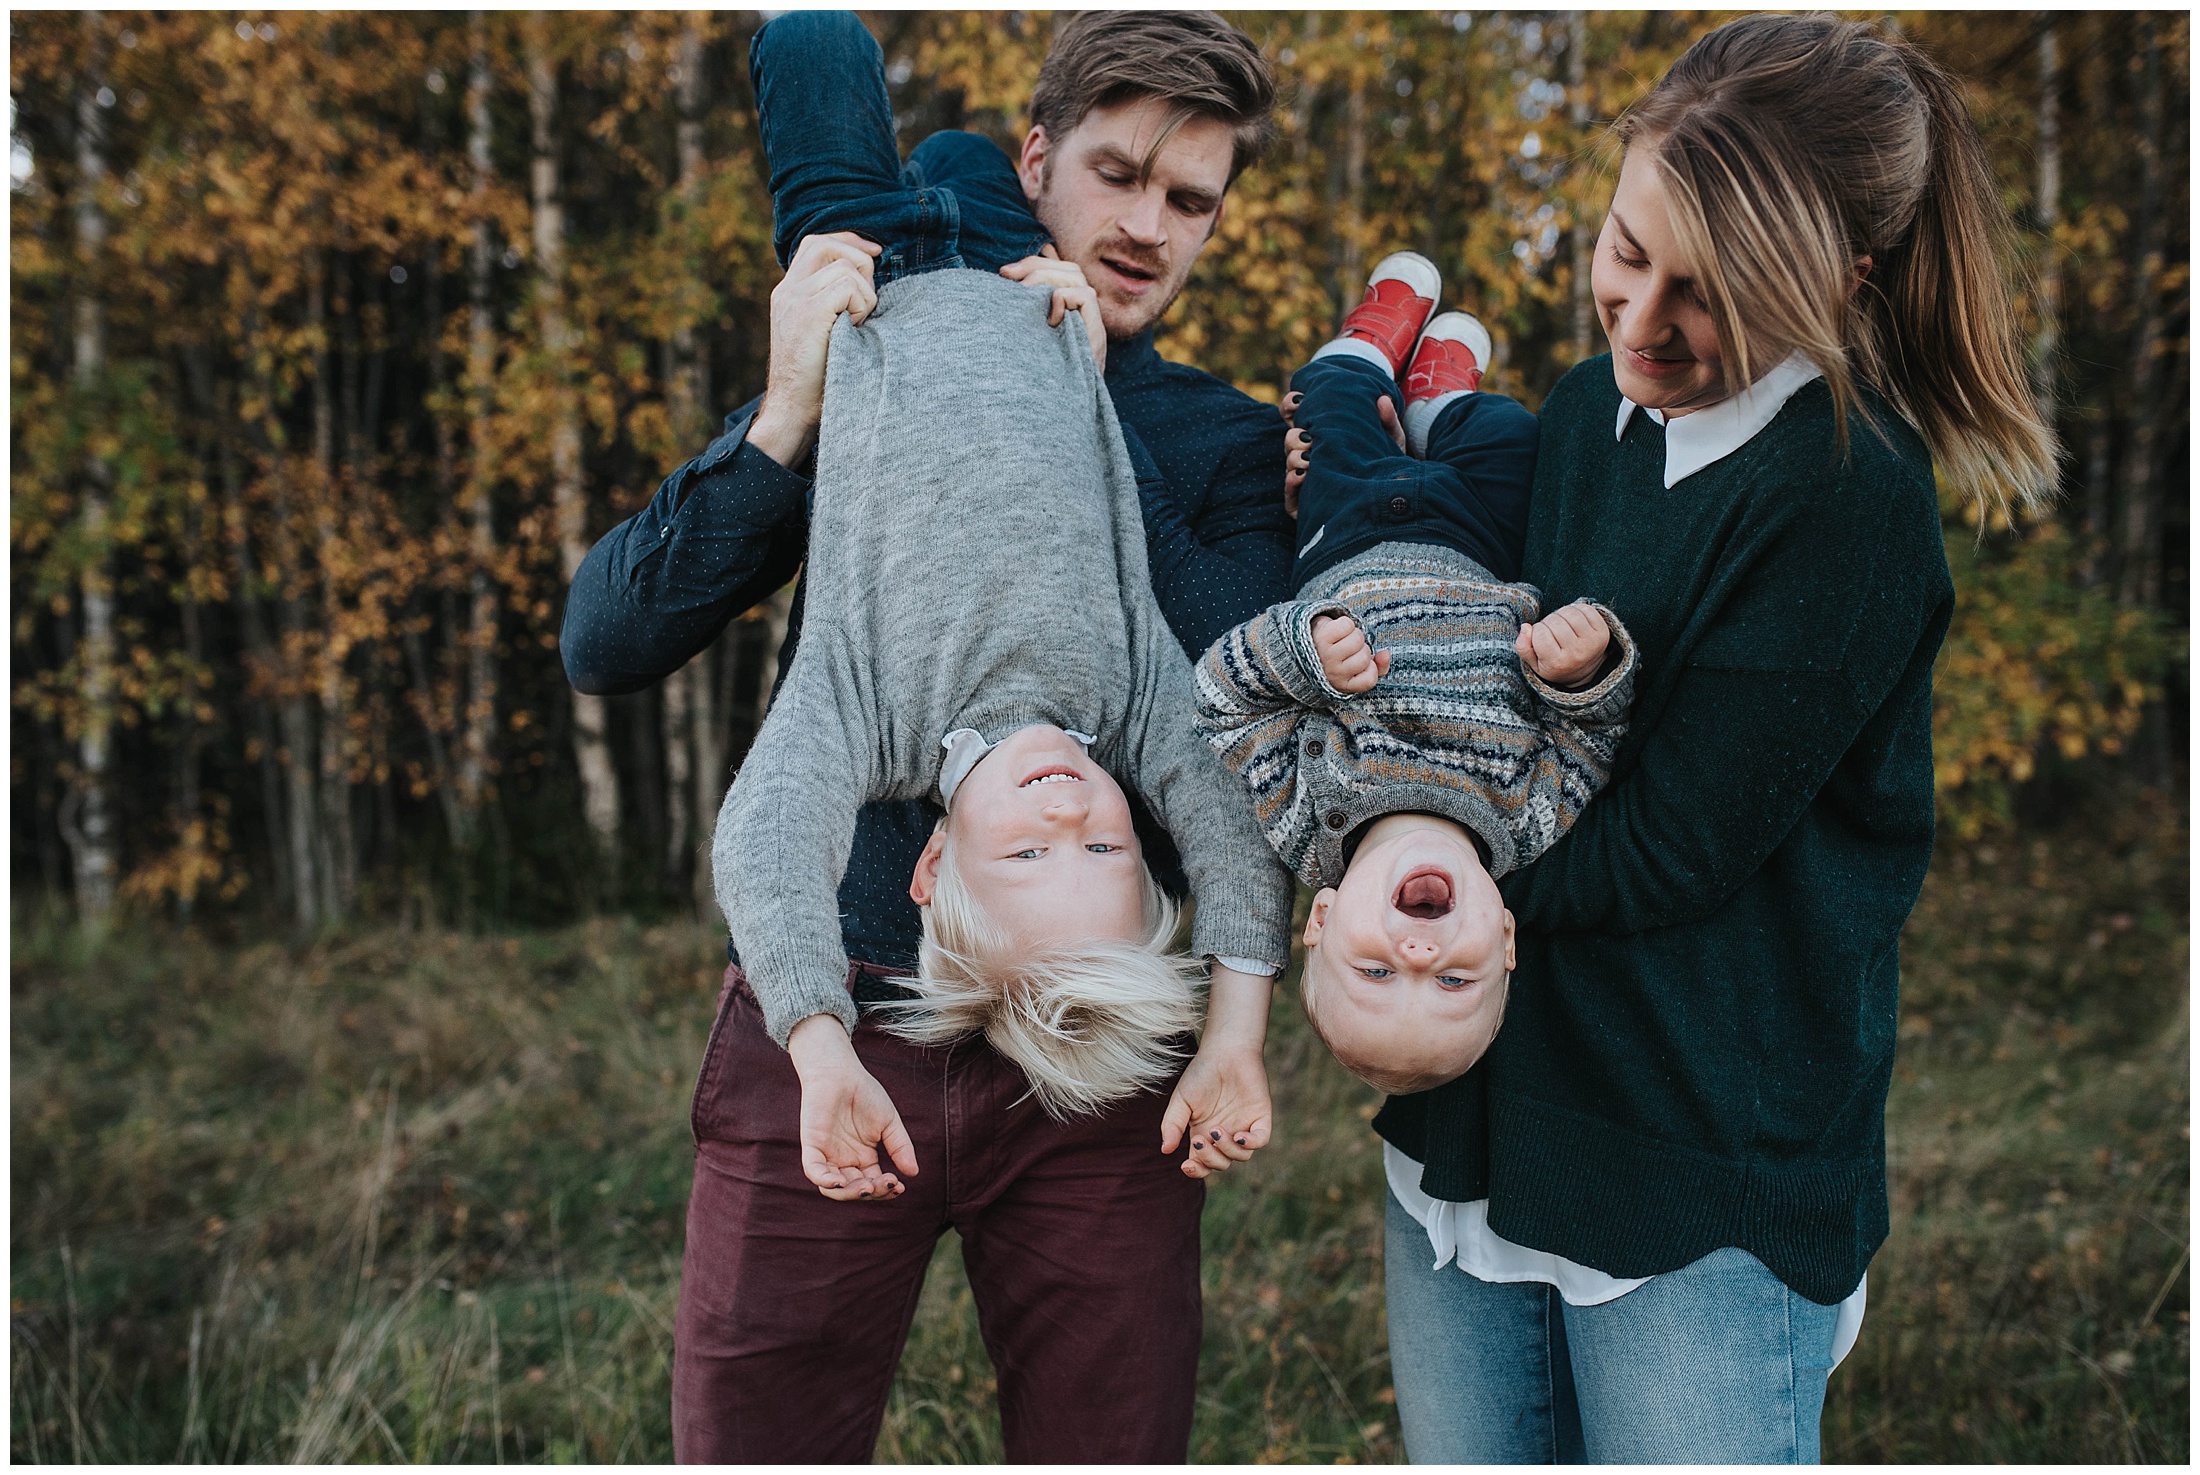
column 1702, row 1024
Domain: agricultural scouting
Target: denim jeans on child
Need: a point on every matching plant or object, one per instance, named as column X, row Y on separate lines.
column 1714, row 1363
column 1469, row 495
column 827, row 127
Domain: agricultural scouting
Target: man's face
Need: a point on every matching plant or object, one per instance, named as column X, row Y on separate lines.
column 1136, row 235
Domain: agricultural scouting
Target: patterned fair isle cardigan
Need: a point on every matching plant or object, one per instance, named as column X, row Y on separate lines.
column 1457, row 727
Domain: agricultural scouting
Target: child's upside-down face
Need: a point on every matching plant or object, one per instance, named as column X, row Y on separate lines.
column 1043, row 842
column 1407, row 960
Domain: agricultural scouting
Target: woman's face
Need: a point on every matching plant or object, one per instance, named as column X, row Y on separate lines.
column 1665, row 351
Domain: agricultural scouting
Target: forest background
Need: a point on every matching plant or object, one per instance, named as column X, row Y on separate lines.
column 336, row 339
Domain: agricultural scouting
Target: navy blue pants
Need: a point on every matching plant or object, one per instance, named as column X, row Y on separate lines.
column 827, row 127
column 1471, row 494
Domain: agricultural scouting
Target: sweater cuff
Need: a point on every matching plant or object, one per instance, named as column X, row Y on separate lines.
column 732, row 485
column 1605, row 700
column 790, row 991
column 1248, row 921
column 1303, row 672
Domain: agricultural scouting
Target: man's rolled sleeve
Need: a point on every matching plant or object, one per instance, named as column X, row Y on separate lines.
column 723, row 532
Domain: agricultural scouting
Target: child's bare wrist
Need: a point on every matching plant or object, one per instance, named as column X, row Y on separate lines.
column 820, row 1044
column 1237, row 1010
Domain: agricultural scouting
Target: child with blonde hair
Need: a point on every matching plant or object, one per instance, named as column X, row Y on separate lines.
column 980, row 626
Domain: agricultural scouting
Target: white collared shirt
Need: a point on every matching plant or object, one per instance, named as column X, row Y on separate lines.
column 1461, row 1233
column 1695, row 440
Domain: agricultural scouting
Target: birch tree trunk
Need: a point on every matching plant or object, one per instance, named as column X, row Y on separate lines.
column 441, row 708
column 591, row 748
column 778, row 610
column 1351, row 267
column 91, row 835
column 688, row 707
column 192, row 830
column 476, row 747
column 337, row 860
column 677, row 722
column 2136, row 581
column 217, row 405
column 301, row 807
column 2048, row 284
column 1585, row 230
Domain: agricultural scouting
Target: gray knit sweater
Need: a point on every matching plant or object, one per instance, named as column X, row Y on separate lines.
column 977, row 559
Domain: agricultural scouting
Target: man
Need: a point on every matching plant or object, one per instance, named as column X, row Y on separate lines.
column 1081, row 1238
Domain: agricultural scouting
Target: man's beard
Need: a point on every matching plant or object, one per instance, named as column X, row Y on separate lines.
column 1132, row 256
column 1123, row 250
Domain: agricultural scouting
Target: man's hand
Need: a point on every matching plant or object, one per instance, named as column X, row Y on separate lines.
column 829, row 275
column 1072, row 293
column 1298, row 445
column 1347, row 662
column 1222, row 1096
column 846, row 1117
column 1566, row 646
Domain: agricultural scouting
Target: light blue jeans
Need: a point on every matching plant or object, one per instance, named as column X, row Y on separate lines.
column 1714, row 1363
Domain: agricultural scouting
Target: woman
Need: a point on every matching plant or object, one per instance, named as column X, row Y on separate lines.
column 1668, row 1176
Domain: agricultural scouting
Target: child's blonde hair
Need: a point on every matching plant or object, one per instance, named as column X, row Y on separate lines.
column 1089, row 1021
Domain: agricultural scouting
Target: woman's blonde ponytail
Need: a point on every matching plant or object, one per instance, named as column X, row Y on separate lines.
column 1953, row 355
column 1796, row 147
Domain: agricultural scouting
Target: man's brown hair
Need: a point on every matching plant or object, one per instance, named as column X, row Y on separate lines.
column 1194, row 60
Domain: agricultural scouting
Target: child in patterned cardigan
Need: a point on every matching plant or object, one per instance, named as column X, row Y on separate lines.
column 1409, row 728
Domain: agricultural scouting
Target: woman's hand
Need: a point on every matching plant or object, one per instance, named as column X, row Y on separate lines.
column 1298, row 448
column 1566, row 646
column 1222, row 1096
column 1298, row 445
column 1072, row 293
column 1348, row 663
column 830, row 275
column 846, row 1117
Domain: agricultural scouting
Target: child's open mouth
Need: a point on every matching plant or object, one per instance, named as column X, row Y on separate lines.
column 1424, row 894
column 1052, row 776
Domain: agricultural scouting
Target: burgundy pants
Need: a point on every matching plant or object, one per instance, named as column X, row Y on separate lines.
column 1081, row 1240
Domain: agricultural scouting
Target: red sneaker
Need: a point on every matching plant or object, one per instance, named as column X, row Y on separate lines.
column 1401, row 293
column 1450, row 357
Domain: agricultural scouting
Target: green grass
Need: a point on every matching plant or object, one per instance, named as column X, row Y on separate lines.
column 419, row 1196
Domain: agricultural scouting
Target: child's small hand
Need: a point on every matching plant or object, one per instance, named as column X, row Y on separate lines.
column 1223, row 1098
column 846, row 1117
column 1072, row 293
column 1566, row 646
column 1348, row 663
